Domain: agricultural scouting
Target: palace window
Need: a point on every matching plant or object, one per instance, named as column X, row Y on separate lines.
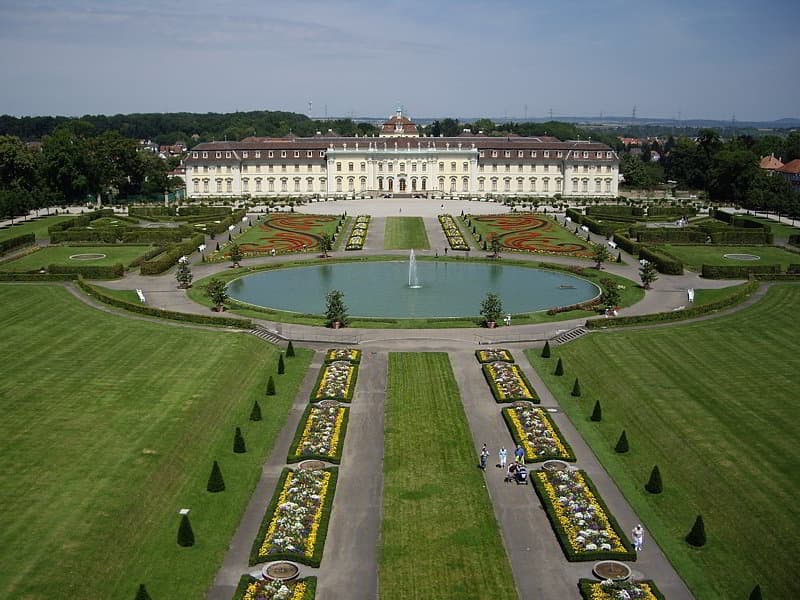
column 585, row 155
column 284, row 185
column 339, row 167
column 196, row 183
column 585, row 187
column 271, row 184
column 481, row 153
column 480, row 184
column 258, row 154
column 205, row 168
column 441, row 183
column 424, row 168
column 227, row 155
column 297, row 154
column 363, row 166
column 452, row 184
column 465, row 166
column 533, row 184
column 507, row 154
column 258, row 184
column 350, row 167
column 559, row 154
column 508, row 168
column 322, row 154
column 480, row 168
column 296, row 184
column 598, row 185
column 310, row 168
column 283, row 168
column 205, row 154
column 441, row 166
column 465, row 184
column 608, row 185
column 390, row 166
column 519, row 154
column 413, row 167
column 507, row 184
column 546, row 168
column 351, row 184
column 452, row 166
column 219, row 186
column 494, row 168
column 363, row 184
column 599, row 155
column 380, row 166
column 547, row 154
column 283, row 153
column 270, row 168
column 205, row 186
column 297, row 168
column 310, row 154
column 338, row 184
column 229, row 185
column 608, row 154
column 245, row 154
column 546, row 184
column 575, row 185
column 519, row 184
column 585, row 168
column 494, row 153
column 494, row 184
column 519, row 167
column 270, row 154
column 309, row 184
column 245, row 185
column 194, row 154
column 424, row 181
column 533, row 154
column 219, row 154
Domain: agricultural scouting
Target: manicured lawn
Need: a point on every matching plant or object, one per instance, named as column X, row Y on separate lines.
column 109, row 427
column 693, row 257
column 708, row 296
column 527, row 233
column 781, row 230
column 439, row 538
column 713, row 404
column 286, row 232
column 405, row 233
column 60, row 255
column 38, row 227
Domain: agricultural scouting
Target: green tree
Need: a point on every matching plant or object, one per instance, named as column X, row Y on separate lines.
column 697, row 535
column 270, row 386
column 576, row 388
column 335, row 309
column 495, row 245
column 610, row 295
column 255, row 413
column 281, row 365
column 235, row 252
column 325, row 244
column 648, row 274
column 290, row 350
column 597, row 412
column 185, row 532
column 216, row 292
column 491, row 308
column 559, row 368
column 654, row 484
column 239, row 446
column 141, row 593
column 546, row 349
column 184, row 274
column 600, row 255
column 215, row 481
column 622, row 443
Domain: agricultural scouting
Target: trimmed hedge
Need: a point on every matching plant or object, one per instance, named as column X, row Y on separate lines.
column 626, row 243
column 80, row 220
column 561, row 535
column 678, row 315
column 311, row 587
column 163, row 314
column 107, row 235
column 170, row 256
column 683, row 235
column 664, row 264
column 28, row 277
column 25, row 239
column 671, row 211
column 737, row 272
column 322, row 531
column 294, row 457
column 585, row 586
column 90, row 271
column 157, row 235
column 616, row 211
column 518, row 441
column 794, row 239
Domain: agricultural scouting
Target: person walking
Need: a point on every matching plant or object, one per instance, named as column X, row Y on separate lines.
column 519, row 455
column 484, row 456
column 638, row 537
column 502, row 455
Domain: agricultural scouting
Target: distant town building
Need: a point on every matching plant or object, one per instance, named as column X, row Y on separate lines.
column 791, row 171
column 770, row 163
column 466, row 166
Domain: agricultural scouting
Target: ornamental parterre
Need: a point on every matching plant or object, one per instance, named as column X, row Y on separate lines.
column 359, row 233
column 336, row 382
column 277, row 590
column 534, row 429
column 294, row 524
column 507, row 382
column 322, row 434
column 349, row 354
column 582, row 525
column 493, row 354
column 619, row 590
column 452, row 233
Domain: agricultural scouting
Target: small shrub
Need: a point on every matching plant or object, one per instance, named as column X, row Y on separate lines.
column 756, row 593
column 142, row 594
column 215, row 481
column 290, row 350
column 546, row 350
column 576, row 388
column 281, row 366
column 654, row 485
column 185, row 533
column 559, row 368
column 697, row 536
column 255, row 414
column 622, row 443
column 270, row 386
column 239, row 446
column 597, row 412
column 619, row 257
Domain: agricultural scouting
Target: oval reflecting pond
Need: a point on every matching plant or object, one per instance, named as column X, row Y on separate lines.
column 380, row 289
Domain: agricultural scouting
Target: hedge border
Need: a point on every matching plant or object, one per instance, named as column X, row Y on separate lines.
column 561, row 535
column 160, row 313
column 496, row 390
column 570, row 452
column 584, row 586
column 19, row 241
column 246, row 580
column 737, row 271
column 348, row 397
column 293, row 457
column 29, row 277
column 322, row 531
column 506, row 350
column 92, row 272
column 354, row 361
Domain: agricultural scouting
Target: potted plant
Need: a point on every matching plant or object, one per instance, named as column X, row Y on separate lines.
column 335, row 309
column 491, row 309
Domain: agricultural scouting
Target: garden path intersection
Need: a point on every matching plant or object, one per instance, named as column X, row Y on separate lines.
column 350, row 565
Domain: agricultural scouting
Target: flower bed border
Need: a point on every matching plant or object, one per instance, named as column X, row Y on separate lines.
column 517, row 440
column 585, row 587
column 454, row 245
column 322, row 531
column 348, row 397
column 496, row 390
column 563, row 538
column 348, row 247
column 352, row 361
column 484, row 362
column 293, row 457
column 246, row 580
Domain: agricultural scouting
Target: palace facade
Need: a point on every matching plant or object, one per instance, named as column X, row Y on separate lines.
column 398, row 163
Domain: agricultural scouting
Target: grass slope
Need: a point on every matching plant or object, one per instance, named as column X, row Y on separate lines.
column 713, row 405
column 439, row 538
column 405, row 233
column 37, row 227
column 60, row 255
column 109, row 427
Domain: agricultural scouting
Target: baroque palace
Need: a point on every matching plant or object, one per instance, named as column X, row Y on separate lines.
column 400, row 163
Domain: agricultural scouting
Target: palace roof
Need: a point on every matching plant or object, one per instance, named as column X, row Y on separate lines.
column 770, row 163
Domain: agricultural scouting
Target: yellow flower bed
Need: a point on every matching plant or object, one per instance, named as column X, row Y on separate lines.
column 267, row 590
column 507, row 381
column 322, row 431
column 336, row 381
column 348, row 354
column 540, row 441
column 640, row 590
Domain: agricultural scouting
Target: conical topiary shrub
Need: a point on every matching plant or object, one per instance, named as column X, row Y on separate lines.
column 619, row 257
column 255, row 414
column 142, row 594
column 576, row 388
column 546, row 350
column 597, row 412
column 559, row 368
column 270, row 386
column 290, row 350
column 281, row 366
column 622, row 443
column 239, row 446
column 215, row 481
column 697, row 536
column 654, row 485
column 756, row 593
column 185, row 533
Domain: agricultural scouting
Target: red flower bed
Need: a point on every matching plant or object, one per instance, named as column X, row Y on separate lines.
column 528, row 233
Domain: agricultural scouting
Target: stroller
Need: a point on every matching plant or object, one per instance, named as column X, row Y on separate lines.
column 517, row 473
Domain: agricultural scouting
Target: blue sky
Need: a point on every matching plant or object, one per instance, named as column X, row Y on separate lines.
column 696, row 59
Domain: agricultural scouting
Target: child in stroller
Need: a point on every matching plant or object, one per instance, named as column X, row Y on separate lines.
column 517, row 473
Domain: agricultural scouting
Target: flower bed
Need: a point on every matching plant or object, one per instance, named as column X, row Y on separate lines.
column 348, row 354
column 508, row 382
column 359, row 233
column 296, row 521
column 635, row 590
column 251, row 588
column 533, row 429
column 583, row 525
column 320, row 434
column 452, row 233
column 336, row 381
column 493, row 354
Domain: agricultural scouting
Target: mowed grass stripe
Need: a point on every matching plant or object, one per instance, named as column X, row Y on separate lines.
column 713, row 404
column 439, row 536
column 109, row 427
column 405, row 233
